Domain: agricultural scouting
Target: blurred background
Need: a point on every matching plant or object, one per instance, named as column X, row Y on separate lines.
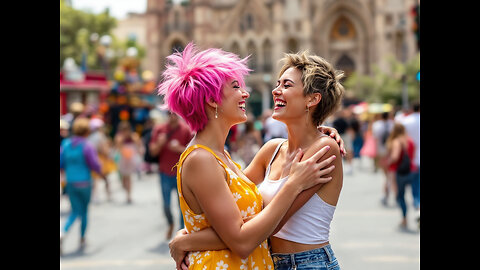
column 112, row 54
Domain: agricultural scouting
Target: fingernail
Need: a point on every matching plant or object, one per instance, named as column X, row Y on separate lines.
column 328, row 147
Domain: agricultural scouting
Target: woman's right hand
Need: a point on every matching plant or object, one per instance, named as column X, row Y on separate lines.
column 310, row 172
column 178, row 254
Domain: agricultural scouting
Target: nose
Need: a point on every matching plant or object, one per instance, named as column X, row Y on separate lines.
column 245, row 94
column 277, row 91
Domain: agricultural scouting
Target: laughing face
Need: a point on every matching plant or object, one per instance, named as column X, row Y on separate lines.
column 290, row 102
column 233, row 102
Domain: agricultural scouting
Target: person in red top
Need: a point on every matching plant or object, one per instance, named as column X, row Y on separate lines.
column 400, row 144
column 168, row 141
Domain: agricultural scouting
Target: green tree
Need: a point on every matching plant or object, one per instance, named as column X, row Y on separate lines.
column 385, row 86
column 76, row 29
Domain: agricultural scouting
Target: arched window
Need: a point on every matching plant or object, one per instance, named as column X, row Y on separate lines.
column 176, row 20
column 255, row 102
column 346, row 64
column 249, row 21
column 343, row 29
column 267, row 56
column 292, row 45
column 177, row 46
column 235, row 48
column 252, row 51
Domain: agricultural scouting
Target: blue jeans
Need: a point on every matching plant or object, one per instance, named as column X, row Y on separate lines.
column 416, row 188
column 168, row 183
column 79, row 200
column 402, row 182
column 316, row 259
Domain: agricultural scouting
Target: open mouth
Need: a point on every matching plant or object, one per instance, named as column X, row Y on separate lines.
column 241, row 105
column 279, row 103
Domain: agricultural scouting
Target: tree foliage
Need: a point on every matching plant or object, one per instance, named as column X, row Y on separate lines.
column 76, row 30
column 386, row 86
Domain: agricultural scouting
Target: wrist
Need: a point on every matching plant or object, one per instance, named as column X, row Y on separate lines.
column 292, row 187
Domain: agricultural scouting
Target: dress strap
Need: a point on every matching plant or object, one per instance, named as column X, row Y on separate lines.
column 195, row 146
column 267, row 172
column 184, row 156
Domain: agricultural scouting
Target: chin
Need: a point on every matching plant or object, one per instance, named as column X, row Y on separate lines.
column 276, row 116
column 240, row 120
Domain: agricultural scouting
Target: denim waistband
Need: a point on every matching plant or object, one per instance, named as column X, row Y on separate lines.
column 324, row 253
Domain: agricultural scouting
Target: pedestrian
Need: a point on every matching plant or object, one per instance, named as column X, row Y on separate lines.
column 401, row 150
column 76, row 109
column 307, row 92
column 78, row 158
column 207, row 90
column 342, row 125
column 249, row 142
column 168, row 141
column 369, row 147
column 101, row 143
column 274, row 129
column 129, row 149
column 148, row 159
column 64, row 130
column 412, row 127
column 358, row 139
column 381, row 130
column 64, row 133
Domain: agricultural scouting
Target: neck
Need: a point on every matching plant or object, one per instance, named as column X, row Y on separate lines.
column 213, row 135
column 301, row 135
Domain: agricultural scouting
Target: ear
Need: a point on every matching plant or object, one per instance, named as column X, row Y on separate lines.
column 314, row 99
column 212, row 104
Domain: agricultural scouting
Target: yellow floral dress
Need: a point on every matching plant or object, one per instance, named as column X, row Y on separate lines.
column 249, row 202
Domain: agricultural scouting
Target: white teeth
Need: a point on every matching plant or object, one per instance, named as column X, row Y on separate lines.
column 242, row 105
column 280, row 103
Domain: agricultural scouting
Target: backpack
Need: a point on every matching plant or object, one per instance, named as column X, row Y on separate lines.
column 404, row 165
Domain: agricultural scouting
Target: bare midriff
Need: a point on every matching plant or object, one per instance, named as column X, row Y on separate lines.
column 280, row 245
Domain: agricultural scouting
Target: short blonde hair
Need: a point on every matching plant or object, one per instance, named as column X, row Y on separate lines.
column 81, row 126
column 318, row 76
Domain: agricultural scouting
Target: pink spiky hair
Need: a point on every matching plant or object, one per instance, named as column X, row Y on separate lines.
column 192, row 78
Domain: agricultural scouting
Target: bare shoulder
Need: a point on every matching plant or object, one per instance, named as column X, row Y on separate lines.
column 195, row 176
column 199, row 159
column 322, row 142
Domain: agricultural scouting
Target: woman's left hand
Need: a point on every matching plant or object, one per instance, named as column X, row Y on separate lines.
column 332, row 132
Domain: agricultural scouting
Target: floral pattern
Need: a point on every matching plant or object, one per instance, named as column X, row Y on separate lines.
column 249, row 202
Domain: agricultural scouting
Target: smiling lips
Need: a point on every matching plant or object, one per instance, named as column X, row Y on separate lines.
column 241, row 105
column 279, row 103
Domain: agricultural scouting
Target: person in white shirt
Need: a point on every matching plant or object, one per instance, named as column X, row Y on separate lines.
column 274, row 129
column 381, row 130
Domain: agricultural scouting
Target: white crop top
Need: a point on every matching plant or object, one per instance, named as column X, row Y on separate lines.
column 310, row 224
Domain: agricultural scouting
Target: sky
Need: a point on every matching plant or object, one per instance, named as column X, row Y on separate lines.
column 118, row 8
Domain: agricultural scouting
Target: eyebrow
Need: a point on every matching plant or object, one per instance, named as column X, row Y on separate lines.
column 285, row 80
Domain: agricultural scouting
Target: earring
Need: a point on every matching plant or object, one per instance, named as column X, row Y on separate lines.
column 307, row 110
column 216, row 112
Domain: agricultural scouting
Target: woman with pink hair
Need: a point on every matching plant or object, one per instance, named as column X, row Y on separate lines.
column 207, row 90
column 308, row 91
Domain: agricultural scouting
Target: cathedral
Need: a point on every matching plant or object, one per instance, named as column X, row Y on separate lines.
column 353, row 35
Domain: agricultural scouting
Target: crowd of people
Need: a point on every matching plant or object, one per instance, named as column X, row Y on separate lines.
column 391, row 139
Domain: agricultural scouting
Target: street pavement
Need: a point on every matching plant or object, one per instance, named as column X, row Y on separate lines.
column 364, row 234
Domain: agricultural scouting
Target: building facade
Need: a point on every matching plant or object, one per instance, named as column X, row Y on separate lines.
column 353, row 35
